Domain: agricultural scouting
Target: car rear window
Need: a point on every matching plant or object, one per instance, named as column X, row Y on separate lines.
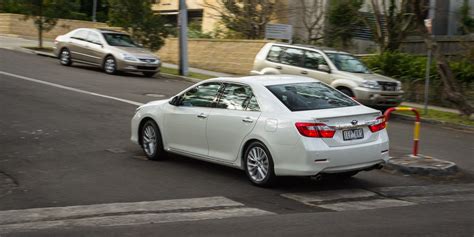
column 310, row 96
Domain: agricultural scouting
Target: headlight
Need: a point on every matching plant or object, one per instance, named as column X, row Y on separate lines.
column 399, row 86
column 129, row 57
column 370, row 84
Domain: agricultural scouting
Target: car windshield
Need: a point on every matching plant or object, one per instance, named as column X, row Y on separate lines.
column 347, row 63
column 310, row 96
column 120, row 40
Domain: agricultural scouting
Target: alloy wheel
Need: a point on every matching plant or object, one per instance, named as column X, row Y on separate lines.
column 257, row 164
column 149, row 140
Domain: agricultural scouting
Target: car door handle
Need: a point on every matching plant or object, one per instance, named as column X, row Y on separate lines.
column 304, row 72
column 278, row 67
column 247, row 120
column 202, row 115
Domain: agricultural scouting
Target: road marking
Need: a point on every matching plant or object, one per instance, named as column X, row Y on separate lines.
column 364, row 205
column 311, row 198
column 71, row 88
column 118, row 214
column 442, row 189
column 137, row 219
column 360, row 199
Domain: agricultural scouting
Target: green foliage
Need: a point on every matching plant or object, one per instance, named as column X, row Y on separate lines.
column 343, row 19
column 137, row 17
column 467, row 21
column 247, row 18
column 410, row 69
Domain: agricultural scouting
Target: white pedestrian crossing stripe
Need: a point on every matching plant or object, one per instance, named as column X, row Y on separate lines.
column 119, row 214
column 361, row 199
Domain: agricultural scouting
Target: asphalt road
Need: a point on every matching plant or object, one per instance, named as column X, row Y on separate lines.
column 61, row 147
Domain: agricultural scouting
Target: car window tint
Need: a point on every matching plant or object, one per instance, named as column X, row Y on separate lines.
column 93, row 38
column 81, row 35
column 274, row 54
column 237, row 97
column 313, row 59
column 202, row 95
column 292, row 57
column 310, row 96
column 253, row 105
column 121, row 40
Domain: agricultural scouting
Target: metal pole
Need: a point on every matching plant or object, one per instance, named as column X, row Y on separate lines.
column 94, row 10
column 183, row 38
column 427, row 80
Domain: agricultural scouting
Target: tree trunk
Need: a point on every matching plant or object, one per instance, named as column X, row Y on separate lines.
column 40, row 33
column 451, row 89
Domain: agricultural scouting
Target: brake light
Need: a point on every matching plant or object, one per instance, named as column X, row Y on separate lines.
column 378, row 125
column 315, row 130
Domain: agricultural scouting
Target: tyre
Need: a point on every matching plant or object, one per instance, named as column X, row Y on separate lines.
column 151, row 141
column 65, row 57
column 149, row 74
column 258, row 164
column 346, row 91
column 110, row 65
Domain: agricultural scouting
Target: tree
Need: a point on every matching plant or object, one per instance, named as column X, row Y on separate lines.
column 451, row 90
column 45, row 13
column 467, row 21
column 137, row 17
column 391, row 23
column 343, row 20
column 311, row 14
column 246, row 18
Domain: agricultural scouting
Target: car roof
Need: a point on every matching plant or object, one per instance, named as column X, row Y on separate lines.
column 322, row 48
column 266, row 80
column 103, row 30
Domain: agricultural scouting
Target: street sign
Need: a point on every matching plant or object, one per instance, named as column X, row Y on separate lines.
column 279, row 31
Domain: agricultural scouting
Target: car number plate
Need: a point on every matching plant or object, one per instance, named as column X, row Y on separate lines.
column 353, row 134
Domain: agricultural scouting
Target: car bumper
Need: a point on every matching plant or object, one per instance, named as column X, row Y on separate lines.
column 130, row 66
column 314, row 157
column 378, row 98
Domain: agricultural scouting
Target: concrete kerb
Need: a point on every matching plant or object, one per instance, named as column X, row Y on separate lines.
column 422, row 165
column 435, row 122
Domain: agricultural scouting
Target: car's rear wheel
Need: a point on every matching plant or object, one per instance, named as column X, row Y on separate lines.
column 151, row 141
column 259, row 165
column 110, row 65
column 65, row 57
column 149, row 74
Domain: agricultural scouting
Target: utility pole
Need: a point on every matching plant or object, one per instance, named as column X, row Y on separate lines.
column 183, row 38
column 94, row 10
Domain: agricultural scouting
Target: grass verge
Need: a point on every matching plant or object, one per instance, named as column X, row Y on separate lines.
column 173, row 71
column 441, row 116
column 44, row 49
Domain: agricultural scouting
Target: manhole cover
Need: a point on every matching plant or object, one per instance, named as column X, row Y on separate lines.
column 155, row 95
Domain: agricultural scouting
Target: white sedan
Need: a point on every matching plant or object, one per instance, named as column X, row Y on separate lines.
column 268, row 126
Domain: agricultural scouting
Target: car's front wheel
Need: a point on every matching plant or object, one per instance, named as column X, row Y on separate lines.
column 151, row 141
column 65, row 57
column 110, row 65
column 259, row 165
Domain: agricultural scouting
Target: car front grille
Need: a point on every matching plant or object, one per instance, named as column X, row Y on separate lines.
column 388, row 86
column 147, row 60
column 146, row 68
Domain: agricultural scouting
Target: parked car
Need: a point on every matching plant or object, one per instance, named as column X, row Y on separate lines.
column 341, row 70
column 268, row 126
column 110, row 50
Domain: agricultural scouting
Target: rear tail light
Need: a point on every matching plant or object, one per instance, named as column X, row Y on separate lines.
column 315, row 130
column 378, row 125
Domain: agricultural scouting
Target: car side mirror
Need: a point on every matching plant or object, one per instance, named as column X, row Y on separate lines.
column 324, row 68
column 176, row 101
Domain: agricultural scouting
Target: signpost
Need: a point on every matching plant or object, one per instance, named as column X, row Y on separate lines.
column 279, row 31
column 428, row 25
column 183, row 38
